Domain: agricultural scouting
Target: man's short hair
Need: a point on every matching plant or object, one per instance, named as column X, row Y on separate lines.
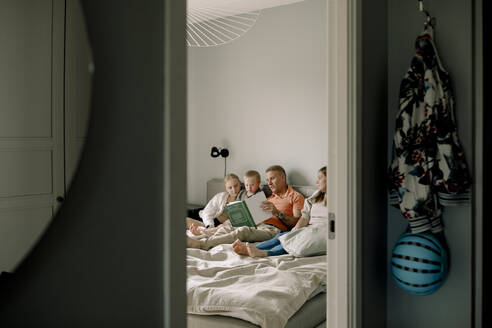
column 253, row 174
column 277, row 168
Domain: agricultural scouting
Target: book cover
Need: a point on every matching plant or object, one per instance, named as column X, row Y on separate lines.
column 247, row 212
column 239, row 214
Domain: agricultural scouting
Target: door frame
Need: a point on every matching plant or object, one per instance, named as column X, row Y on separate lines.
column 174, row 159
column 343, row 67
column 343, row 167
column 478, row 161
column 343, row 162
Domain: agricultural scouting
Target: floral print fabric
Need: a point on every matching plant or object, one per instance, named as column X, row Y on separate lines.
column 428, row 168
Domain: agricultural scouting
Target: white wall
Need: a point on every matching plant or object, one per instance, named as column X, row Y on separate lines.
column 263, row 97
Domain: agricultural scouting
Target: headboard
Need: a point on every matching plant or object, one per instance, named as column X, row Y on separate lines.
column 214, row 186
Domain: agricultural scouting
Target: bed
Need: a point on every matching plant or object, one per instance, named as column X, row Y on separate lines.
column 228, row 290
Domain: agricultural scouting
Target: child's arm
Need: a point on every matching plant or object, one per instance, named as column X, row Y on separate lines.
column 212, row 209
column 305, row 216
column 301, row 223
column 223, row 217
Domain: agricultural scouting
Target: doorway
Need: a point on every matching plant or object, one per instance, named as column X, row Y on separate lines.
column 213, row 119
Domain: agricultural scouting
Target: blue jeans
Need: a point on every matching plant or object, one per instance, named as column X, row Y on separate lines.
column 273, row 246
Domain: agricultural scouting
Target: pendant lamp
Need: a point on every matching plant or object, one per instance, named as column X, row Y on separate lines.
column 213, row 23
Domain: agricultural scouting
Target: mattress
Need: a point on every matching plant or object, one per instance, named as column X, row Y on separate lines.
column 311, row 314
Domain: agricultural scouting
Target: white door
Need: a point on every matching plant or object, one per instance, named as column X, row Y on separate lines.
column 31, row 122
column 342, row 284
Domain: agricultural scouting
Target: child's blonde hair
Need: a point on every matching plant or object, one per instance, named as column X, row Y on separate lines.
column 253, row 174
column 231, row 176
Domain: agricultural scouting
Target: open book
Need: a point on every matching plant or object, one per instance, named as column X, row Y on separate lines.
column 247, row 212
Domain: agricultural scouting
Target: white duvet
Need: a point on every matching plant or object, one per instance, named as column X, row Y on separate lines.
column 264, row 291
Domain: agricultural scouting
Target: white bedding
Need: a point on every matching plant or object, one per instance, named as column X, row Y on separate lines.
column 264, row 291
column 307, row 241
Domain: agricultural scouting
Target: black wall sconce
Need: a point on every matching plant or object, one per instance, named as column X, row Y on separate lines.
column 224, row 152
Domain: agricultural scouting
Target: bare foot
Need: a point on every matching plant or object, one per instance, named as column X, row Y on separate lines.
column 240, row 248
column 190, row 221
column 196, row 230
column 192, row 243
column 255, row 252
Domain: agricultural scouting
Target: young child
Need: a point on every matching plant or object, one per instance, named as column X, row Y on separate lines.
column 252, row 180
column 213, row 214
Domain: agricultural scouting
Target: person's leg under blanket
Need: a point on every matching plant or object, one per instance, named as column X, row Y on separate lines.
column 227, row 235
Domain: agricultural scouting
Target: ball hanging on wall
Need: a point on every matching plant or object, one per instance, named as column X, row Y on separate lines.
column 419, row 263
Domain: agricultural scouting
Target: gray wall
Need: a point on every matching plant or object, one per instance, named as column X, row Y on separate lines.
column 451, row 305
column 374, row 124
column 101, row 262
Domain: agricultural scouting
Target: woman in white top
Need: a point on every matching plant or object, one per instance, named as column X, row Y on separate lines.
column 213, row 214
column 308, row 237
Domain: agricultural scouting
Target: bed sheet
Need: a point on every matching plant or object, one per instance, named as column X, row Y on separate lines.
column 311, row 315
column 264, row 291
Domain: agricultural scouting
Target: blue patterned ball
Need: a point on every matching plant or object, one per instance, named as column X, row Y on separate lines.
column 419, row 263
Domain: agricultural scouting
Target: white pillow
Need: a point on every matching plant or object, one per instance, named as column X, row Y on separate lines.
column 307, row 241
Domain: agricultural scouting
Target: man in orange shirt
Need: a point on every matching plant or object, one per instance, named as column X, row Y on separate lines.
column 285, row 204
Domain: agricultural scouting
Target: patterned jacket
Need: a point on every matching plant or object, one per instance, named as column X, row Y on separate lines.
column 428, row 169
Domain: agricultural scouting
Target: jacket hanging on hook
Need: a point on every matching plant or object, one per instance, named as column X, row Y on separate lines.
column 428, row 168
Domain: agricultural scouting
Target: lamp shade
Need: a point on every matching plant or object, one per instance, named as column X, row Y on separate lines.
column 215, row 22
